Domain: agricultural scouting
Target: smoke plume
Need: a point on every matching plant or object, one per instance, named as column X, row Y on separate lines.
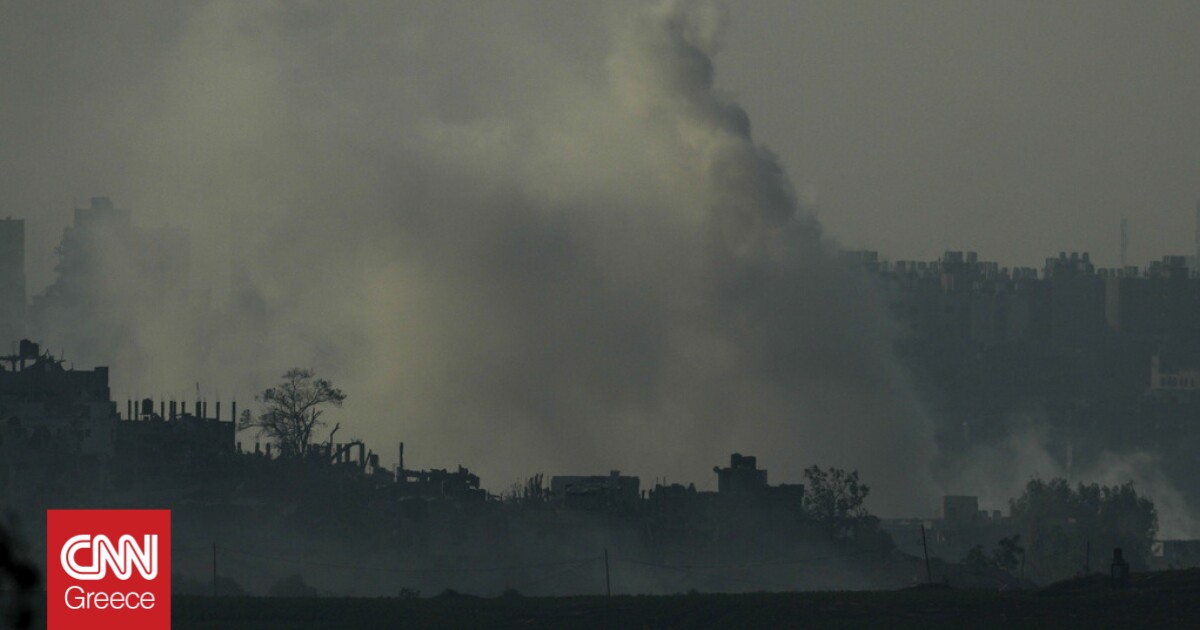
column 513, row 251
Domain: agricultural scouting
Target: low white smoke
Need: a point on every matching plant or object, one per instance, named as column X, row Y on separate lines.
column 999, row 472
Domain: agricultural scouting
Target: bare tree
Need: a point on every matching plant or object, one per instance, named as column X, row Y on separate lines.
column 292, row 409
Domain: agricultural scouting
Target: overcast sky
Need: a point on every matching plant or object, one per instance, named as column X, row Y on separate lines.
column 1013, row 128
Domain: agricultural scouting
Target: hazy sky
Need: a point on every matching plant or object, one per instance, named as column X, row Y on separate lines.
column 1013, row 128
column 531, row 236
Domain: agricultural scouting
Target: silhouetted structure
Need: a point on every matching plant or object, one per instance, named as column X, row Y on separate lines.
column 958, row 526
column 596, row 492
column 1120, row 569
column 57, row 426
column 743, row 477
column 1104, row 360
column 108, row 269
column 440, row 484
column 12, row 280
column 171, row 444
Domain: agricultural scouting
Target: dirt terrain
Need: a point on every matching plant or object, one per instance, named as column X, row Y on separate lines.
column 1164, row 599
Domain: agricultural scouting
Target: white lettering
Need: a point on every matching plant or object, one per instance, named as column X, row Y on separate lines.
column 120, row 558
column 79, row 599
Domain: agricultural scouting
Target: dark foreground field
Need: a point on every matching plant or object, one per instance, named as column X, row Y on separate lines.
column 1169, row 599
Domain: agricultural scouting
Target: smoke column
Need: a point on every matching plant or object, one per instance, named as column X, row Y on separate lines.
column 508, row 256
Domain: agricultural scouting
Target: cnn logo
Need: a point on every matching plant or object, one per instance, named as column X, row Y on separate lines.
column 122, row 557
column 108, row 569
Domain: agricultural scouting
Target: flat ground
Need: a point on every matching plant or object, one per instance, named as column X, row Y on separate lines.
column 1167, row 599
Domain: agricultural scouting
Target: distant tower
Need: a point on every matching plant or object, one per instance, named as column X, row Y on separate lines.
column 1197, row 237
column 1125, row 238
column 12, row 281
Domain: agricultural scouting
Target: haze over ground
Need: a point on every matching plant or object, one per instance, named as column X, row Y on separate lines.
column 532, row 238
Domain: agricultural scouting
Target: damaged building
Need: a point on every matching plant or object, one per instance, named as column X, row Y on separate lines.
column 613, row 491
column 57, row 426
column 958, row 526
column 108, row 270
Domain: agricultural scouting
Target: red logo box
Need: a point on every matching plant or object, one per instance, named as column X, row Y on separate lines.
column 108, row 569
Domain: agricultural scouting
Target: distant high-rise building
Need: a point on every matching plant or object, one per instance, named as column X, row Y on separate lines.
column 109, row 271
column 1197, row 236
column 12, row 281
column 1193, row 261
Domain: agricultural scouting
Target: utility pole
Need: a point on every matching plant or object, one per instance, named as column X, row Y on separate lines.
column 607, row 577
column 928, row 571
column 214, row 569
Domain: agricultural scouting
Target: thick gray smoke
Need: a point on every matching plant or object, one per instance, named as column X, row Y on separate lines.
column 515, row 252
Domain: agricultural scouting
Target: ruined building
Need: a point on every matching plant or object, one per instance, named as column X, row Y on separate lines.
column 958, row 526
column 109, row 271
column 57, row 427
column 612, row 491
